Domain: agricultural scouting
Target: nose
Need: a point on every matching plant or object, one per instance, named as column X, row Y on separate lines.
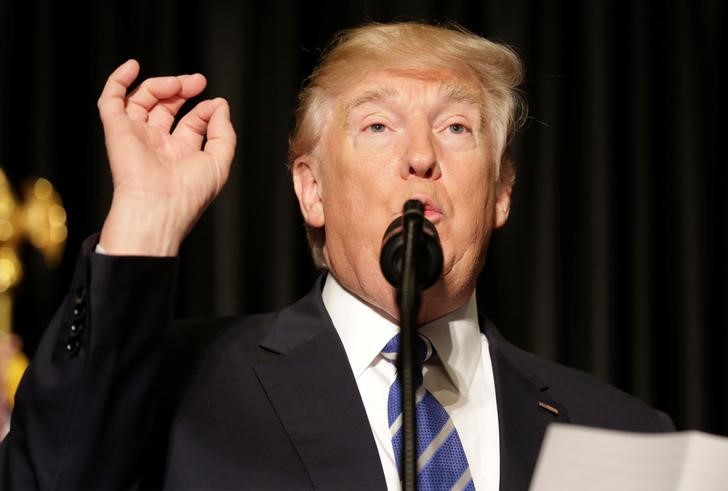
column 420, row 159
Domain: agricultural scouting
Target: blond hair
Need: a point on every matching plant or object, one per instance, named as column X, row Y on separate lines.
column 412, row 45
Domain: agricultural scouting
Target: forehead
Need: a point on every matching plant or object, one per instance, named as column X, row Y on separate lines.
column 383, row 85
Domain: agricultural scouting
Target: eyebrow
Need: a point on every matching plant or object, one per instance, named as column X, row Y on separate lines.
column 458, row 93
column 453, row 92
column 377, row 94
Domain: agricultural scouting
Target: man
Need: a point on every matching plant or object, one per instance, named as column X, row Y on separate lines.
column 299, row 399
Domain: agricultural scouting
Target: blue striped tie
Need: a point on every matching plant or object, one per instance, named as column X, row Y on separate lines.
column 441, row 461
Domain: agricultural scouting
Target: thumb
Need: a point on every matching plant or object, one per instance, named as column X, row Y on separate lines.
column 111, row 102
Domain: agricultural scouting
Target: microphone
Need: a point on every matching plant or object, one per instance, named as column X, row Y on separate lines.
column 429, row 265
column 411, row 260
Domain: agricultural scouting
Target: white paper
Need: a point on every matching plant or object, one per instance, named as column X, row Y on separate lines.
column 578, row 458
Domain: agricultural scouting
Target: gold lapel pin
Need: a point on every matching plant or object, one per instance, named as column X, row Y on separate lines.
column 548, row 407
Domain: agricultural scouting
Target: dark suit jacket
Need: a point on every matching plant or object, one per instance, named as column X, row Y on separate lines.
column 114, row 399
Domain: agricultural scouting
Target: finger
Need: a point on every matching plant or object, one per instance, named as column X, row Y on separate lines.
column 111, row 102
column 157, row 100
column 193, row 127
column 162, row 115
column 210, row 118
column 221, row 136
column 149, row 93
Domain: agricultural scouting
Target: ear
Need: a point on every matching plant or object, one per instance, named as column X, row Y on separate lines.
column 502, row 204
column 308, row 189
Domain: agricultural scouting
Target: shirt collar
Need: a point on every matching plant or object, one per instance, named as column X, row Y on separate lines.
column 457, row 341
column 364, row 331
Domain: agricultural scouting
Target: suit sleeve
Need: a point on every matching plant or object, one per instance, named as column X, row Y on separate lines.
column 86, row 405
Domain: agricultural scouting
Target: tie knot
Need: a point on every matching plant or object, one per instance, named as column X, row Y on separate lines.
column 423, row 347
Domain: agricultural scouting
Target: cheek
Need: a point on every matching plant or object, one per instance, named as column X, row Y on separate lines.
column 473, row 201
column 471, row 186
column 354, row 192
column 365, row 172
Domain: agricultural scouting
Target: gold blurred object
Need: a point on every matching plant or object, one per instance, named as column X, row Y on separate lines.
column 10, row 271
column 12, row 367
column 41, row 219
column 45, row 220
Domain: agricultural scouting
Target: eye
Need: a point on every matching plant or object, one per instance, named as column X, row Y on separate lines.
column 457, row 128
column 376, row 128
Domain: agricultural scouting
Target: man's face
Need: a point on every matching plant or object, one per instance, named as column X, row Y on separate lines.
column 394, row 136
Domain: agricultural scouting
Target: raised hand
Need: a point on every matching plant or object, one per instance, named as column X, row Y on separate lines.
column 163, row 179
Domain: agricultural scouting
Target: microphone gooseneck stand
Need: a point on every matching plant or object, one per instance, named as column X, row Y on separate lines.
column 408, row 363
column 411, row 261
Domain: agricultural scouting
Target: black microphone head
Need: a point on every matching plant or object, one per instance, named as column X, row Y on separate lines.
column 429, row 268
column 413, row 206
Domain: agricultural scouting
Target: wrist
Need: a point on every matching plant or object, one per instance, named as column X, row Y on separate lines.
column 138, row 228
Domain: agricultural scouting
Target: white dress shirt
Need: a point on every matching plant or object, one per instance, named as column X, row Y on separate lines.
column 461, row 380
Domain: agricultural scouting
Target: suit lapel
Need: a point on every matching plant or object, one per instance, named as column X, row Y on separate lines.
column 313, row 391
column 525, row 409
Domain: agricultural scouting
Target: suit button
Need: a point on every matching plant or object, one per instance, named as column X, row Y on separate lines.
column 79, row 311
column 76, row 328
column 72, row 348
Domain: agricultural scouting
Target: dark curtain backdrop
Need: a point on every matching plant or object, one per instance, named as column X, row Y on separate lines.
column 614, row 259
